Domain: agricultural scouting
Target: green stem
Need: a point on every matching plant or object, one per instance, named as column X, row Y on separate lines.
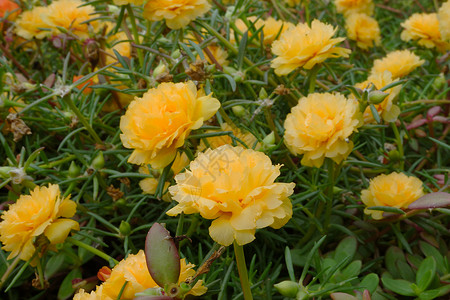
column 92, row 250
column 312, row 78
column 399, row 145
column 11, row 268
column 242, row 269
column 40, row 273
column 135, row 33
column 331, row 181
column 82, row 119
column 225, row 116
column 55, row 163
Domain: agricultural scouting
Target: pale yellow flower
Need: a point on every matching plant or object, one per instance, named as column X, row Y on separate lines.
column 272, row 28
column 41, row 212
column 320, row 126
column 395, row 190
column 71, row 15
column 121, row 44
column 30, row 24
column 176, row 13
column 304, row 46
column 125, row 2
column 400, row 63
column 236, row 188
column 133, row 270
column 242, row 27
column 363, row 29
column 219, row 54
column 159, row 122
column 386, row 109
column 216, row 141
column 424, row 28
column 444, row 21
column 348, row 7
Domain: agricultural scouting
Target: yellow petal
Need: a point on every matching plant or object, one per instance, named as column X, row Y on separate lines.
column 221, row 231
column 67, row 209
column 58, row 231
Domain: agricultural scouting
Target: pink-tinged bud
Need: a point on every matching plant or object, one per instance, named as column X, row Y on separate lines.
column 104, row 273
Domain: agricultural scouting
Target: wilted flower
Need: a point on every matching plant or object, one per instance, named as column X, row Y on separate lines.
column 425, row 29
column 30, row 23
column 236, row 188
column 159, row 122
column 363, row 29
column 444, row 21
column 386, row 109
column 177, row 13
column 348, row 7
column 133, row 271
column 320, row 125
column 304, row 46
column 220, row 140
column 71, row 15
column 400, row 63
column 395, row 190
column 41, row 212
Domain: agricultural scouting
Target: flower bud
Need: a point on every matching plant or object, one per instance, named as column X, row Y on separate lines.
column 99, row 161
column 262, row 94
column 376, row 97
column 125, row 228
column 74, row 170
column 287, row 288
column 439, row 82
column 269, row 139
column 239, row 110
column 176, row 54
column 160, row 69
column 394, row 155
column 104, row 273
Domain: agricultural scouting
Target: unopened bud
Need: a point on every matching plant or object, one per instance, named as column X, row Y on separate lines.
column 269, row 139
column 160, row 69
column 239, row 110
column 439, row 82
column 262, row 94
column 74, row 170
column 376, row 97
column 104, row 273
column 125, row 228
column 394, row 155
column 287, row 288
column 99, row 161
column 176, row 54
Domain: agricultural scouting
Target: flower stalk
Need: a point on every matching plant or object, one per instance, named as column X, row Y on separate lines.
column 135, row 33
column 92, row 250
column 242, row 269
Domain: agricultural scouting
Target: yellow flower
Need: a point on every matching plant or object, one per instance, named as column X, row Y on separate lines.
column 41, row 212
column 386, row 109
column 425, row 29
column 292, row 2
column 348, row 7
column 444, row 20
column 177, row 13
column 305, row 47
column 395, row 190
column 272, row 28
column 236, row 188
column 30, row 23
column 71, row 15
column 363, row 29
column 242, row 28
column 320, row 125
column 219, row 54
column 125, row 2
column 123, row 48
column 133, row 270
column 400, row 63
column 220, row 140
column 159, row 122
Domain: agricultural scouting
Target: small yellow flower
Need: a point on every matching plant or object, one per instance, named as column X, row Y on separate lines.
column 236, row 188
column 30, row 24
column 348, row 7
column 125, row 2
column 304, row 46
column 272, row 28
column 425, row 29
column 444, row 21
column 386, row 109
column 93, row 295
column 71, row 15
column 400, row 63
column 133, row 270
column 216, row 141
column 177, row 13
column 219, row 54
column 121, row 44
column 320, row 125
column 395, row 190
column 363, row 29
column 159, row 122
column 41, row 212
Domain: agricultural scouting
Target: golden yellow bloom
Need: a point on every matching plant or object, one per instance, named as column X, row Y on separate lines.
column 236, row 188
column 30, row 23
column 386, row 109
column 348, row 7
column 425, row 29
column 159, row 122
column 363, row 29
column 400, row 63
column 444, row 21
column 94, row 295
column 272, row 28
column 219, row 54
column 125, row 2
column 177, row 13
column 395, row 190
column 69, row 15
column 134, row 270
column 123, row 48
column 305, row 47
column 242, row 28
column 320, row 125
column 41, row 212
column 220, row 140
